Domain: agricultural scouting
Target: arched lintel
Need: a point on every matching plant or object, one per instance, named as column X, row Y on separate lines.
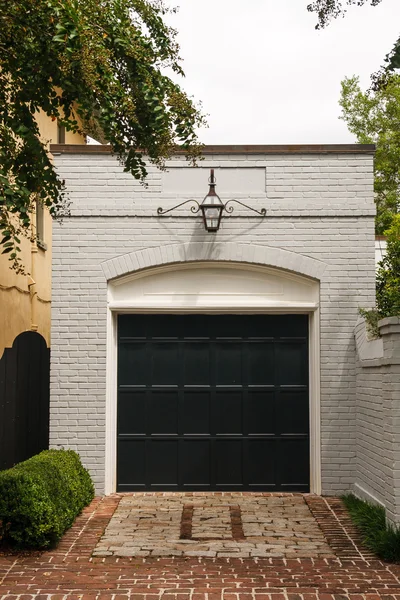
column 157, row 256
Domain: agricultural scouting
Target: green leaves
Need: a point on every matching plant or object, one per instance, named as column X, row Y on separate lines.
column 96, row 67
column 388, row 275
column 374, row 117
column 377, row 535
column 393, row 58
column 40, row 498
column 331, row 9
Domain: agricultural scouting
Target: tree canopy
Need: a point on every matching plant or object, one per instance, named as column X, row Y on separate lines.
column 331, row 9
column 102, row 63
column 374, row 117
column 327, row 10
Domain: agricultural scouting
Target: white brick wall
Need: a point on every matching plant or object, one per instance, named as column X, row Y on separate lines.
column 318, row 206
column 372, row 460
column 378, row 417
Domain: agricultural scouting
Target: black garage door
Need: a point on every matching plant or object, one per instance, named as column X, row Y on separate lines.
column 213, row 402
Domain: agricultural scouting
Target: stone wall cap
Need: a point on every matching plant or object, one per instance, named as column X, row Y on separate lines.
column 233, row 149
column 389, row 321
column 391, row 327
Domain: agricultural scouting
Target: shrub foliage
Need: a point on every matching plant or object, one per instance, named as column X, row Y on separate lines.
column 387, row 281
column 40, row 498
column 378, row 536
column 388, row 276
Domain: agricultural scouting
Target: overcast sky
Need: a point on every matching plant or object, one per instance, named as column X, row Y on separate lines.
column 266, row 76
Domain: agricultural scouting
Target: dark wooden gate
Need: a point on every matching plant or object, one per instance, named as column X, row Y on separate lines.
column 24, row 399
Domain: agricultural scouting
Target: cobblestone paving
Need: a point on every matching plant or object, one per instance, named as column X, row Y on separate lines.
column 213, row 525
column 70, row 572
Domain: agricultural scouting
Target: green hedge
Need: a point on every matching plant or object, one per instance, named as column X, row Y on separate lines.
column 40, row 498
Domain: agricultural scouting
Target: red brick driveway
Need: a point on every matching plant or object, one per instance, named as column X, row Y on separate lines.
column 70, row 572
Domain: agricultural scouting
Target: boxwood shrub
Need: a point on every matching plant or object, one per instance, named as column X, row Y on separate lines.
column 40, row 498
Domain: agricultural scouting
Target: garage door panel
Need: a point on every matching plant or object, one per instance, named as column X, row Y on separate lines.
column 228, row 462
column 128, row 327
column 133, row 364
column 228, row 412
column 261, row 363
column 132, row 409
column 165, row 363
column 196, row 412
column 162, row 467
column 291, row 326
column 131, row 470
column 293, row 463
column 292, row 410
column 161, row 326
column 261, row 462
column 228, row 363
column 260, row 412
column 196, row 463
column 291, row 363
column 163, row 412
column 196, row 359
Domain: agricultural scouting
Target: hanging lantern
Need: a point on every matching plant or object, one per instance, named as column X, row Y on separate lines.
column 212, row 207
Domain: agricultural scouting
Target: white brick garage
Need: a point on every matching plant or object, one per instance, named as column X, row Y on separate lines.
column 319, row 225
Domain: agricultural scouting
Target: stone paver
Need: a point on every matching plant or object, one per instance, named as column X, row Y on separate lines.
column 213, row 525
column 70, row 572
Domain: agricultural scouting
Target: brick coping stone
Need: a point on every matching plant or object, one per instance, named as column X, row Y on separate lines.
column 70, row 572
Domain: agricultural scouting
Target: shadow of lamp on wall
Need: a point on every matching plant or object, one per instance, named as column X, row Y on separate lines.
column 212, row 207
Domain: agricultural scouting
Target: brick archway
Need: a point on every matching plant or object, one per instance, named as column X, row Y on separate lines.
column 227, row 251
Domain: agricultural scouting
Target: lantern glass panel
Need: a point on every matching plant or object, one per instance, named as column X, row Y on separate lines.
column 212, row 215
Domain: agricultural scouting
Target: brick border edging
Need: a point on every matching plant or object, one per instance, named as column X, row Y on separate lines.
column 186, row 527
column 79, row 541
column 337, row 527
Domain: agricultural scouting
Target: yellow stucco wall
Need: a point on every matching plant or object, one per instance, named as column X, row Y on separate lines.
column 49, row 131
column 25, row 299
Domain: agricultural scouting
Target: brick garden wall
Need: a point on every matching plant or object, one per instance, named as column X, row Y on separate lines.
column 378, row 416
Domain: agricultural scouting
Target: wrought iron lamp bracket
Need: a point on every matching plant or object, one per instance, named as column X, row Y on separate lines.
column 230, row 209
column 193, row 209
